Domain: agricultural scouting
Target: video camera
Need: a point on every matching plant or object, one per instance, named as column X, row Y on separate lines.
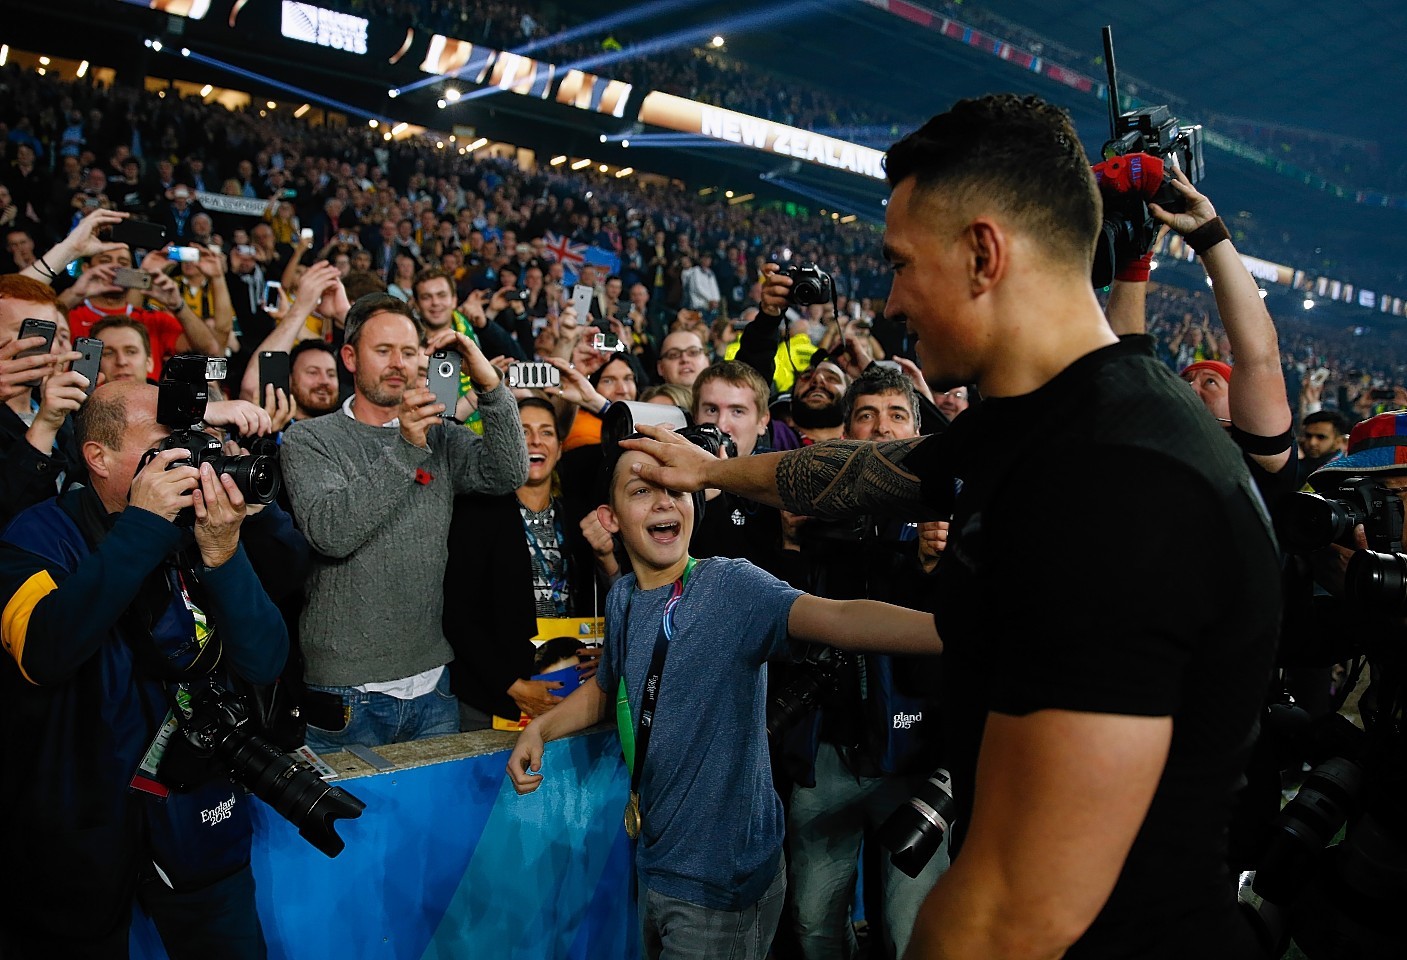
column 181, row 399
column 1129, row 228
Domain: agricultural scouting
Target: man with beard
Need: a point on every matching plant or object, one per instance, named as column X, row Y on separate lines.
column 312, row 378
column 1325, row 436
column 818, row 402
column 373, row 490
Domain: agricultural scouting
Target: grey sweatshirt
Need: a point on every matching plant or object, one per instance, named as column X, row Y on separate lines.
column 376, row 509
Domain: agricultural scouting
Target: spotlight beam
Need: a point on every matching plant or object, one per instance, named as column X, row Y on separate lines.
column 673, row 41
column 299, row 91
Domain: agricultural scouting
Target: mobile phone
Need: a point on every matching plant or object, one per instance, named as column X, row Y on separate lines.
column 581, row 299
column 132, row 278
column 855, row 309
column 183, row 255
column 90, row 362
column 271, row 291
column 273, row 370
column 33, row 327
column 141, row 234
column 607, row 343
column 533, row 376
column 891, row 364
column 306, row 233
column 539, row 325
column 287, row 193
column 444, row 379
column 1382, row 394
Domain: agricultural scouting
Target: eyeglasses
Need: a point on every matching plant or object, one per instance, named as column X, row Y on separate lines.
column 693, row 353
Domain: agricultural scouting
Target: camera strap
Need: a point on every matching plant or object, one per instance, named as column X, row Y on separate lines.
column 635, row 739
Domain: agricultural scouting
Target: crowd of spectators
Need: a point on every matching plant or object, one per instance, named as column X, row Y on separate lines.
column 714, row 77
column 358, row 257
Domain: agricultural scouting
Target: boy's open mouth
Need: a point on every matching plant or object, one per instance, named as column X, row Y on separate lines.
column 663, row 532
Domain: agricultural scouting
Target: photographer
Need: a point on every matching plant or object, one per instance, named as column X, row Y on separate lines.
column 852, row 764
column 113, row 611
column 1094, row 746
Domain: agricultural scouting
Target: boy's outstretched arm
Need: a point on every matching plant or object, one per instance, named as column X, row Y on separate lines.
column 863, row 625
column 587, row 705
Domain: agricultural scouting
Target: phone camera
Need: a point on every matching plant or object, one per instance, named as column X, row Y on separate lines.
column 446, row 369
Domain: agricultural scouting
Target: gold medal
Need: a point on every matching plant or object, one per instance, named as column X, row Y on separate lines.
column 632, row 816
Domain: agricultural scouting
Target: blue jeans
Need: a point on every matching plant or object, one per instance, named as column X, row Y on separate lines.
column 673, row 929
column 376, row 718
column 824, row 828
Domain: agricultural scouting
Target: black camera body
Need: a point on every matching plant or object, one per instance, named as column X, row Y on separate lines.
column 1129, row 229
column 181, row 399
column 710, row 438
column 809, row 284
column 216, row 735
column 1309, row 521
column 815, row 677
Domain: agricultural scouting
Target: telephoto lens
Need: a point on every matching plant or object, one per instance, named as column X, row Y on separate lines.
column 914, row 832
column 1376, row 583
column 1305, row 826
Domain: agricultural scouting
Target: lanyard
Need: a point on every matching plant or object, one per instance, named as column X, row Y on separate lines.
column 635, row 739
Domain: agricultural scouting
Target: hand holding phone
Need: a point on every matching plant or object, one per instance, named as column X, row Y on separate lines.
column 272, row 290
column 45, row 329
column 89, row 364
column 273, row 371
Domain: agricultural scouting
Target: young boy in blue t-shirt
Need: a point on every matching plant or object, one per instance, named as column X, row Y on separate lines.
column 710, row 823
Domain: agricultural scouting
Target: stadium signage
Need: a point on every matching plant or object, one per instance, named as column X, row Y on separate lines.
column 690, row 116
column 326, row 28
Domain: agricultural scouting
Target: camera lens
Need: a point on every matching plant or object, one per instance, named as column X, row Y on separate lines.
column 257, row 478
column 1377, row 582
column 446, row 369
column 914, row 832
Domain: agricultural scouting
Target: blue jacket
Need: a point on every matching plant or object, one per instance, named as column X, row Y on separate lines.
column 78, row 711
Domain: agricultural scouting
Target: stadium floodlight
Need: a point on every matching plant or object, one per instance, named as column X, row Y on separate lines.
column 717, row 41
column 581, row 164
column 393, row 93
column 482, row 141
column 441, row 103
column 1308, row 303
column 4, row 53
column 205, row 91
column 452, row 94
column 82, row 70
column 558, row 160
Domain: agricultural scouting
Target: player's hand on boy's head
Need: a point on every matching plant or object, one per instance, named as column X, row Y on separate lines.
column 682, row 465
column 525, row 762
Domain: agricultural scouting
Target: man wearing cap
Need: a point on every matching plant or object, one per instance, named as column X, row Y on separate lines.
column 1252, row 405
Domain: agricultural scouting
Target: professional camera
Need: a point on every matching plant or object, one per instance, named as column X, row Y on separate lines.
column 914, row 832
column 815, row 677
column 214, row 733
column 809, row 284
column 1308, row 521
column 712, row 439
column 180, row 404
column 1129, row 228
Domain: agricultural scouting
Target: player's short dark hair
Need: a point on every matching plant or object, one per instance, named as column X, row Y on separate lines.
column 1019, row 154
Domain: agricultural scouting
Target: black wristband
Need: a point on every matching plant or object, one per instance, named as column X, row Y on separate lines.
column 1207, row 235
column 50, row 270
column 1261, row 446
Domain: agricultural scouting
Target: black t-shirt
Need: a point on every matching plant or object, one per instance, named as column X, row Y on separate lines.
column 1110, row 554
